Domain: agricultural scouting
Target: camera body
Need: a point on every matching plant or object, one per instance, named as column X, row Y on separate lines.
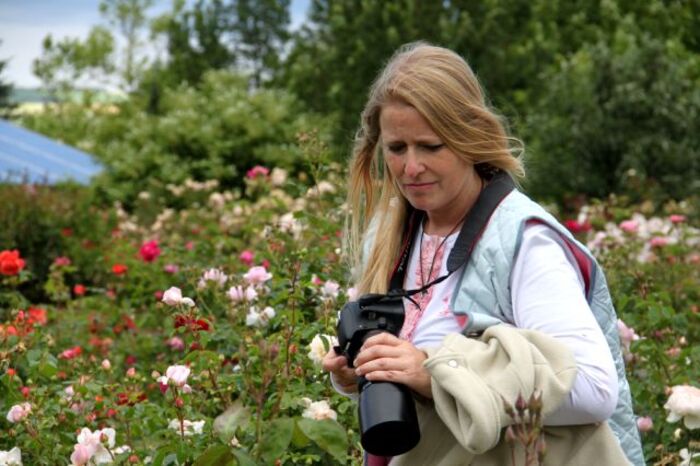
column 370, row 314
column 388, row 421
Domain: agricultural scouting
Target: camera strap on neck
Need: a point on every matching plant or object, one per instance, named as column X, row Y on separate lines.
column 500, row 185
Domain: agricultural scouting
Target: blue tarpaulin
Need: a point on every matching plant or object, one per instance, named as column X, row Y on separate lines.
column 26, row 156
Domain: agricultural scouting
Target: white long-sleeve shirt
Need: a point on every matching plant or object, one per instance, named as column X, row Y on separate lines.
column 547, row 292
column 548, row 295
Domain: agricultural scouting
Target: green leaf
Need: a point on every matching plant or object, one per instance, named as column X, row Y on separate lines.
column 328, row 435
column 226, row 423
column 243, row 458
column 47, row 370
column 278, row 435
column 48, row 366
column 299, row 438
column 203, row 358
column 33, row 357
column 215, row 455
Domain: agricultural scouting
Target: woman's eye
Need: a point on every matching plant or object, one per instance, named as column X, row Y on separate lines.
column 434, row 147
column 396, row 148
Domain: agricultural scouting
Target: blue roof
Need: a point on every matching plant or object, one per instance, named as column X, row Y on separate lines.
column 31, row 157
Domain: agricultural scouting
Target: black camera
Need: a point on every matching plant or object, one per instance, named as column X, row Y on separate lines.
column 388, row 422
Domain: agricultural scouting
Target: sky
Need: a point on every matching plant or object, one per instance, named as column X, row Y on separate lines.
column 25, row 23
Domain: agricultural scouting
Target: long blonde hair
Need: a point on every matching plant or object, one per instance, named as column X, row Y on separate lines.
column 441, row 86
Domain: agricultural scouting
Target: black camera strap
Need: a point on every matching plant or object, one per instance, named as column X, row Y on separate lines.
column 500, row 185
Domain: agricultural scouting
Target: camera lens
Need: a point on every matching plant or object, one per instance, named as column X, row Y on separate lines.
column 387, row 418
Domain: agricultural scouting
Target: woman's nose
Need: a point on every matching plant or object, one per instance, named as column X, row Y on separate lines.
column 413, row 165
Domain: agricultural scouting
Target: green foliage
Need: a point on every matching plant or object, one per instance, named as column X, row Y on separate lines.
column 197, row 42
column 5, row 87
column 252, row 381
column 614, row 110
column 613, row 64
column 261, row 28
column 216, row 130
column 65, row 62
column 129, row 16
column 655, row 291
column 43, row 223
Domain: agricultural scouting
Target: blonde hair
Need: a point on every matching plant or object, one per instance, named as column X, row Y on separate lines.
column 441, row 86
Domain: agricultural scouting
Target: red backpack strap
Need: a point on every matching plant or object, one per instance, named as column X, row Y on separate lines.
column 585, row 265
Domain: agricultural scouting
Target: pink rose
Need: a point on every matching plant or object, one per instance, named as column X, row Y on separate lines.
column 19, row 412
column 82, row 454
column 330, row 289
column 257, row 171
column 178, row 374
column 176, row 344
column 247, row 257
column 238, row 294
column 627, row 334
column 61, row 261
column 677, row 218
column 645, row 424
column 257, row 275
column 658, row 242
column 629, row 226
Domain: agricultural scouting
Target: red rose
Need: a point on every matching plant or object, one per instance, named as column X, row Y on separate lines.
column 201, row 324
column 574, row 226
column 71, row 353
column 79, row 290
column 10, row 262
column 119, row 269
column 149, row 251
column 181, row 320
column 37, row 316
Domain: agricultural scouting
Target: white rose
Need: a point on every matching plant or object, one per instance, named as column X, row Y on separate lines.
column 684, row 403
column 11, row 458
column 173, row 297
column 319, row 410
column 317, row 347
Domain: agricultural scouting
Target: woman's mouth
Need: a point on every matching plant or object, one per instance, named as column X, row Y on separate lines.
column 418, row 186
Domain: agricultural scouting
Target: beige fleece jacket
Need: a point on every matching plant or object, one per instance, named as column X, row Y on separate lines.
column 464, row 422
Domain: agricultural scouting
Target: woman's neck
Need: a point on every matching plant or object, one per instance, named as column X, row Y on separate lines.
column 445, row 223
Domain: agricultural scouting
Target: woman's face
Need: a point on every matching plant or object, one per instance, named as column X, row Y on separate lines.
column 430, row 175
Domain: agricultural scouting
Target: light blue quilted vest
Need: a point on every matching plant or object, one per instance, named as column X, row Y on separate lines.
column 484, row 296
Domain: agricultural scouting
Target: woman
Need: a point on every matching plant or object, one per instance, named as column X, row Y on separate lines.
column 428, row 146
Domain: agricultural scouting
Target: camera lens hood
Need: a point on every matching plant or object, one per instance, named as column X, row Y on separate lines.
column 388, row 420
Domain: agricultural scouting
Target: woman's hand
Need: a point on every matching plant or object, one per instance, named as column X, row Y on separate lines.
column 386, row 358
column 343, row 376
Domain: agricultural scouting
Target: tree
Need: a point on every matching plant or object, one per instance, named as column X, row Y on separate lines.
column 197, row 41
column 525, row 52
column 129, row 17
column 249, row 34
column 65, row 63
column 5, row 87
column 261, row 30
column 619, row 116
column 334, row 58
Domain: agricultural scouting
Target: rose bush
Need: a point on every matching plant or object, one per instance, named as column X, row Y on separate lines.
column 196, row 336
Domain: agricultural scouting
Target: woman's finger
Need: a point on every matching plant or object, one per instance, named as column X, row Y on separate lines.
column 378, row 351
column 383, row 338
column 332, row 362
